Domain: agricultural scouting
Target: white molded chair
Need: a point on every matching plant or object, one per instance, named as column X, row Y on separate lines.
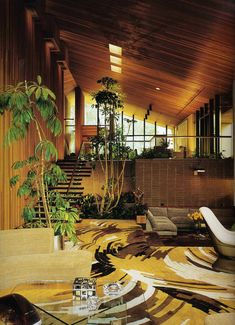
column 223, row 240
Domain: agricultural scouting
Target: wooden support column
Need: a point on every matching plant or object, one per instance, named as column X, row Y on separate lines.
column 155, row 133
column 197, row 133
column 166, row 132
column 79, row 110
column 217, row 124
column 133, row 131
column 121, row 122
column 206, row 130
column 211, row 126
column 60, row 140
column 144, row 132
column 202, row 130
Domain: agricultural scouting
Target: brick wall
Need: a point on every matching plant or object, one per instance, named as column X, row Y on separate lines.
column 170, row 182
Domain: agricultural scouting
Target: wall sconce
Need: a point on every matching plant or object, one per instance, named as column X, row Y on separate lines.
column 198, row 171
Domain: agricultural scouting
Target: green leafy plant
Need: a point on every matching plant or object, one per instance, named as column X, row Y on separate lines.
column 160, row 151
column 30, row 103
column 87, row 204
column 63, row 216
column 109, row 146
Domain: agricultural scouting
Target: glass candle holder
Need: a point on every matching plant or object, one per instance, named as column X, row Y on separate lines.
column 112, row 289
column 93, row 303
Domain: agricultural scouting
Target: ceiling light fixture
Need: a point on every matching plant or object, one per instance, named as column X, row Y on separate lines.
column 115, row 60
column 157, row 88
column 114, row 68
column 115, row 49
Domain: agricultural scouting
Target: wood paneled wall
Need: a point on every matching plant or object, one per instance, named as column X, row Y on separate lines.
column 171, row 182
column 25, row 52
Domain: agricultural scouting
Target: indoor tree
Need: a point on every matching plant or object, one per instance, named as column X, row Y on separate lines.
column 109, row 144
column 30, row 103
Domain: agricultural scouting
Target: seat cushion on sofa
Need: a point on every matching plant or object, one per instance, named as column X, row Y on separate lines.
column 177, row 212
column 183, row 222
column 161, row 223
column 158, row 211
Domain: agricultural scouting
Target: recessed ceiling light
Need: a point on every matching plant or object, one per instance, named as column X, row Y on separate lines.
column 115, row 49
column 157, row 88
column 114, row 68
column 115, row 60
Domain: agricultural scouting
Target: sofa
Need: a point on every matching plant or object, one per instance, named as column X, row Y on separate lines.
column 168, row 221
column 28, row 255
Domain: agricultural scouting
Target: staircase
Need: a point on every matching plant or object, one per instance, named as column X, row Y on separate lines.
column 72, row 189
column 78, row 173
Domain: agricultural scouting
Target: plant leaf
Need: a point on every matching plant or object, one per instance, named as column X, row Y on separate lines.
column 39, row 79
column 38, row 93
column 45, row 93
column 14, row 180
column 52, row 95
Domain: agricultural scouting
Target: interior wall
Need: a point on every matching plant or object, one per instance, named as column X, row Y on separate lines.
column 24, row 53
column 94, row 183
column 181, row 130
column 171, row 182
column 186, row 128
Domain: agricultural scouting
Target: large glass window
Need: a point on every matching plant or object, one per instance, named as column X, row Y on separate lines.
column 139, row 141
column 90, row 115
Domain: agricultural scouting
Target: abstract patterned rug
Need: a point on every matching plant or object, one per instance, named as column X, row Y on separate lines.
column 179, row 284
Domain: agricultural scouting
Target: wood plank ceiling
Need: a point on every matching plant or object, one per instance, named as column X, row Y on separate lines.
column 184, row 47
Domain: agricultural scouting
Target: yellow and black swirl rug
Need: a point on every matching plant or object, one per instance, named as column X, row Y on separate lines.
column 170, row 285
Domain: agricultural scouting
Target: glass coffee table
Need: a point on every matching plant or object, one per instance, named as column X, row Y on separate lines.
column 55, row 305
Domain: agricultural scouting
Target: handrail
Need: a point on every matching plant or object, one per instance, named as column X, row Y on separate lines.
column 181, row 136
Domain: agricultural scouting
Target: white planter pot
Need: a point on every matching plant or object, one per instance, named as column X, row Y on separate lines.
column 58, row 243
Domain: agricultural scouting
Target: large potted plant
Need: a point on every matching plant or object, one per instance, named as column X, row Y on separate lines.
column 30, row 103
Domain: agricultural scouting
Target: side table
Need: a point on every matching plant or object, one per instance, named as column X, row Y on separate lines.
column 141, row 220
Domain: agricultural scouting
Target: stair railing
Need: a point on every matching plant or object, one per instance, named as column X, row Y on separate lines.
column 78, row 159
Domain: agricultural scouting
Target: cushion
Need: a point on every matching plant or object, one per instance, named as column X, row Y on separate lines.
column 61, row 265
column 161, row 211
column 165, row 226
column 182, row 220
column 177, row 212
column 26, row 241
column 161, row 223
